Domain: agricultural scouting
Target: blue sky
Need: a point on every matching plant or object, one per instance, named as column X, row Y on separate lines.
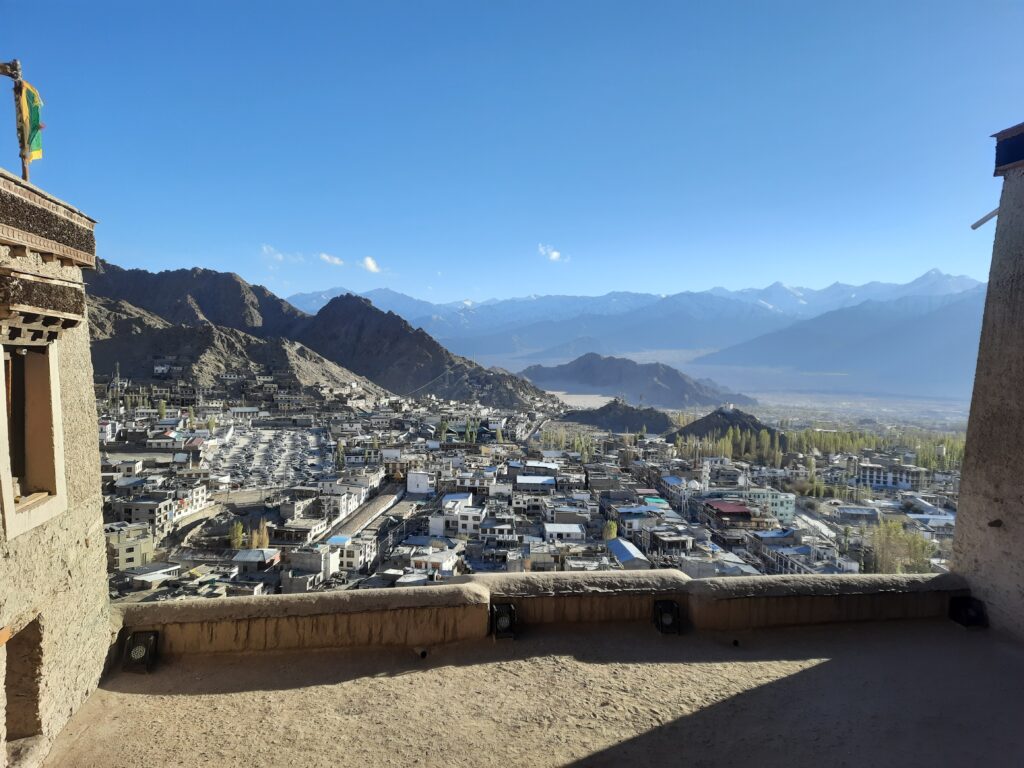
column 484, row 149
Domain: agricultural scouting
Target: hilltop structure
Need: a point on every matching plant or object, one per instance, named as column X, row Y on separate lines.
column 54, row 626
column 57, row 627
column 991, row 528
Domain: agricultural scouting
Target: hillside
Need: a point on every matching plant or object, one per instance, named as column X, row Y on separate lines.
column 131, row 338
column 718, row 422
column 109, row 318
column 348, row 332
column 617, row 416
column 648, row 383
column 191, row 296
column 386, row 349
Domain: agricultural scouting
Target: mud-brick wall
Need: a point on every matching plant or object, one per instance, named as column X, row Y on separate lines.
column 57, row 571
column 990, row 524
column 407, row 616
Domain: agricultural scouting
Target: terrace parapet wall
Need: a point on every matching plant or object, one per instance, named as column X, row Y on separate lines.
column 460, row 610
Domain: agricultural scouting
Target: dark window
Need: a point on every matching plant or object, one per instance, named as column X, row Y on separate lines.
column 30, row 421
column 14, row 376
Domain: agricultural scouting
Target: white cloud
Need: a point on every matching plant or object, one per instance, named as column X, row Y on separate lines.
column 271, row 252
column 334, row 260
column 370, row 264
column 551, row 253
column 274, row 257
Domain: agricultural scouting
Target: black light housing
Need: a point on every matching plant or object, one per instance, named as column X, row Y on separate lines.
column 968, row 611
column 503, row 620
column 667, row 617
column 141, row 651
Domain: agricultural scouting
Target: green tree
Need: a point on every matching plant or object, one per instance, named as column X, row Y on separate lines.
column 764, row 446
column 161, row 408
column 896, row 550
column 611, row 530
column 262, row 535
column 236, row 535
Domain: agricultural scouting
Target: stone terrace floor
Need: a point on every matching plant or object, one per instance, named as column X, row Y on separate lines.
column 885, row 694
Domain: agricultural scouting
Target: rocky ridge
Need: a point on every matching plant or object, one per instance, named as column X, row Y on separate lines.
column 349, row 332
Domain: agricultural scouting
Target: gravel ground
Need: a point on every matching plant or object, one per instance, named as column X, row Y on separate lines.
column 893, row 694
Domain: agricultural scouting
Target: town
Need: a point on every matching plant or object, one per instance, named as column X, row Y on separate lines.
column 256, row 486
column 481, row 385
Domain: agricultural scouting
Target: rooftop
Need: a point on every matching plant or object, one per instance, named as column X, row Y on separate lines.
column 898, row 693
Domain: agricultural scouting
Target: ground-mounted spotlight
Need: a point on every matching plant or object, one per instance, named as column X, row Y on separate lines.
column 667, row 617
column 968, row 611
column 503, row 620
column 140, row 654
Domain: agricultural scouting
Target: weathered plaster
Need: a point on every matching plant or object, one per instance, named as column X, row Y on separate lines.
column 990, row 524
column 56, row 570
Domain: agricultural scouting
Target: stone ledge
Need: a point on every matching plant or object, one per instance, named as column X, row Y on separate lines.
column 779, row 601
column 580, row 583
column 460, row 610
column 570, row 597
column 808, row 586
column 282, row 606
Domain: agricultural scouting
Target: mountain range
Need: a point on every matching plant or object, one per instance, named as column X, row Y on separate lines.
column 904, row 339
column 193, row 311
column 921, row 345
column 652, row 384
column 913, row 339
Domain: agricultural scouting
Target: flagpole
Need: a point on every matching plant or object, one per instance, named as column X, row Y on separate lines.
column 12, row 69
column 22, row 140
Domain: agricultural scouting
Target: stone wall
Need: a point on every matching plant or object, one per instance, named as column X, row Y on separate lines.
column 406, row 616
column 431, row 615
column 990, row 523
column 55, row 572
column 756, row 602
column 568, row 597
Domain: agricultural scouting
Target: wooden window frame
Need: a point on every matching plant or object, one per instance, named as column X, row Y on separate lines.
column 44, row 450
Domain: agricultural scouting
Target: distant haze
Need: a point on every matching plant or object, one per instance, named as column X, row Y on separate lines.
column 904, row 339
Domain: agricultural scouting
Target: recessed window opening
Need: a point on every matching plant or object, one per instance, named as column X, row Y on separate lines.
column 21, row 682
column 29, row 423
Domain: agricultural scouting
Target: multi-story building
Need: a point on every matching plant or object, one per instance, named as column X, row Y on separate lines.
column 128, row 545
column 418, row 481
column 778, row 504
column 355, row 552
column 894, row 475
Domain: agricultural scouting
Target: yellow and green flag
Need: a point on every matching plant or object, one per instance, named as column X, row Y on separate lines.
column 29, row 105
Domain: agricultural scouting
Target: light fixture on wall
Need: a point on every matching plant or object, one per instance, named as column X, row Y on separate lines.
column 667, row 617
column 968, row 611
column 503, row 620
column 140, row 654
